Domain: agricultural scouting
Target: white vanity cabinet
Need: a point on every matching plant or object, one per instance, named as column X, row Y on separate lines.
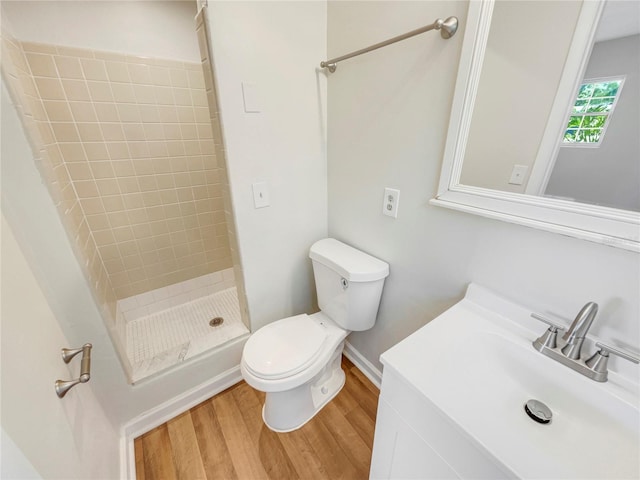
column 453, row 395
column 414, row 440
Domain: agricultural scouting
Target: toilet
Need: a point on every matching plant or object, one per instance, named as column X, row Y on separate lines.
column 296, row 361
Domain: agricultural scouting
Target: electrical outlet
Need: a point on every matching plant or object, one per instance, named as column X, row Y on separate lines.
column 390, row 202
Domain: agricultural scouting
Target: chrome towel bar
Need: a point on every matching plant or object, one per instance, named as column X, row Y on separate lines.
column 447, row 29
column 62, row 386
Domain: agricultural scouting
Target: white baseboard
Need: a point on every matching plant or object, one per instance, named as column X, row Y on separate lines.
column 166, row 411
column 364, row 365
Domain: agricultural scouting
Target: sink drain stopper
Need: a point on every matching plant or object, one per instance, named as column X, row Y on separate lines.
column 538, row 411
column 216, row 322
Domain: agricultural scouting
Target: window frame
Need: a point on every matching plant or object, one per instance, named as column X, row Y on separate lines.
column 608, row 114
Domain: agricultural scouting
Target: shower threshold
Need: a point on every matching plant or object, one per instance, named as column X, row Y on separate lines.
column 167, row 338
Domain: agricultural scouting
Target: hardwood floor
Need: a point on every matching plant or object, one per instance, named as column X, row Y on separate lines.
column 225, row 438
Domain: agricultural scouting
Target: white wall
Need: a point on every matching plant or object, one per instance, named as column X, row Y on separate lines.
column 608, row 175
column 163, row 29
column 59, row 438
column 276, row 46
column 388, row 116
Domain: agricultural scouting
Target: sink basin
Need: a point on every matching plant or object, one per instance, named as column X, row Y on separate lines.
column 483, row 370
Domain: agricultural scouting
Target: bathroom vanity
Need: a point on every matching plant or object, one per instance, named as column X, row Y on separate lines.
column 453, row 394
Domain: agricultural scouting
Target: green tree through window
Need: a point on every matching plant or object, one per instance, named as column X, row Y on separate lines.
column 591, row 111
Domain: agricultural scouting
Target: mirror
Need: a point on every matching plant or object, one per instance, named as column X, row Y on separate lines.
column 544, row 123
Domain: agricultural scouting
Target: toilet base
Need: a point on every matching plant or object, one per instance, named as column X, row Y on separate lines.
column 291, row 409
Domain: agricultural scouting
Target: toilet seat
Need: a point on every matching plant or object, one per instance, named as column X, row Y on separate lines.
column 284, row 348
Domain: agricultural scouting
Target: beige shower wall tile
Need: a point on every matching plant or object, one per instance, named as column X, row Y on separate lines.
column 149, row 114
column 182, row 96
column 139, row 74
column 101, row 170
column 94, row 150
column 123, row 168
column 76, row 90
column 83, row 112
column 68, row 67
column 117, row 71
column 100, row 91
column 145, row 94
column 128, row 112
column 39, row 47
column 118, row 150
column 65, row 132
column 42, row 65
column 112, row 132
column 179, row 78
column 186, row 114
column 50, row 88
column 108, row 186
column 86, row 189
column 79, row 171
column 94, row 69
column 90, row 132
column 160, row 76
column 123, row 93
column 196, row 79
column 106, row 112
column 74, row 52
column 72, row 152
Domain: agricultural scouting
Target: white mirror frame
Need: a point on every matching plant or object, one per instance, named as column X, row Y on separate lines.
column 608, row 226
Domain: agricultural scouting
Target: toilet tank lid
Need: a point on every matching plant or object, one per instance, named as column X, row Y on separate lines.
column 350, row 263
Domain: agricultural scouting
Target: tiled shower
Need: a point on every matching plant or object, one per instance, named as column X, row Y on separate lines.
column 131, row 150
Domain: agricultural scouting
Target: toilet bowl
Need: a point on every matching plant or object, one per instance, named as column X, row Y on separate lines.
column 296, row 361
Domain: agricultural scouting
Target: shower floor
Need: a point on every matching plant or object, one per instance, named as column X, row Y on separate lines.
column 163, row 339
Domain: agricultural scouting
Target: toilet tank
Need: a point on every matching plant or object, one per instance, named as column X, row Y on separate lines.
column 348, row 283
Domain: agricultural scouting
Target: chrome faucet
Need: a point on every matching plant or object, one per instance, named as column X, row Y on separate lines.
column 569, row 354
column 578, row 331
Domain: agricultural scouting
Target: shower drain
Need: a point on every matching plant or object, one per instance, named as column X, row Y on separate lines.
column 216, row 321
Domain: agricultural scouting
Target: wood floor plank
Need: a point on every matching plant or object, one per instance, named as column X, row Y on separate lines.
column 357, row 387
column 272, row 454
column 138, row 449
column 158, row 459
column 347, row 439
column 364, row 380
column 345, row 400
column 363, row 424
column 245, row 458
column 335, row 462
column 216, row 458
column 184, row 445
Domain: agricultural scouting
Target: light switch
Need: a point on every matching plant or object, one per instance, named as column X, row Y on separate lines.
column 260, row 195
column 250, row 97
column 517, row 174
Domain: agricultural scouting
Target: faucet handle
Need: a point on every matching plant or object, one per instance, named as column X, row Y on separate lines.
column 605, row 350
column 554, row 327
column 549, row 337
column 598, row 361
